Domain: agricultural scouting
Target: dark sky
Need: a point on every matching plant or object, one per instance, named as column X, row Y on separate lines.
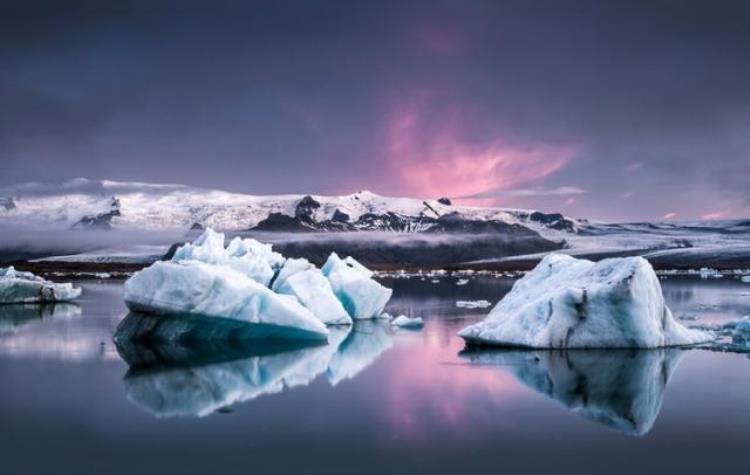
column 605, row 109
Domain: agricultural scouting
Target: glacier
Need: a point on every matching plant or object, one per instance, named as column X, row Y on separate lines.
column 566, row 302
column 25, row 287
column 362, row 297
column 198, row 289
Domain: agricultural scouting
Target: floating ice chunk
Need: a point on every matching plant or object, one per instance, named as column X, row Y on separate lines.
column 25, row 287
column 248, row 256
column 473, row 303
column 462, row 281
column 574, row 303
column 620, row 389
column 709, row 273
column 315, row 293
column 361, row 296
column 197, row 289
column 406, row 322
column 745, row 279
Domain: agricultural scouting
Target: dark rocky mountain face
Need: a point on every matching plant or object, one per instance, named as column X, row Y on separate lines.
column 7, row 203
column 411, row 250
column 101, row 220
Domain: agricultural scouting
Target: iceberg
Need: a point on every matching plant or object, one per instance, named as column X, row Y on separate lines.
column 621, row 389
column 352, row 283
column 314, row 292
column 197, row 290
column 406, row 322
column 566, row 302
column 247, row 256
column 25, row 287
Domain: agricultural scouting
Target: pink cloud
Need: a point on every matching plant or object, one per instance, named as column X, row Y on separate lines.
column 430, row 156
column 670, row 215
column 716, row 214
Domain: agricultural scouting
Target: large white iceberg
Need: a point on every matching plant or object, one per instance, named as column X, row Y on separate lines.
column 198, row 289
column 247, row 256
column 566, row 302
column 313, row 291
column 25, row 287
column 352, row 283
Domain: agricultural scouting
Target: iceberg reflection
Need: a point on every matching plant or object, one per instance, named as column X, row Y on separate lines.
column 622, row 389
column 200, row 377
column 15, row 316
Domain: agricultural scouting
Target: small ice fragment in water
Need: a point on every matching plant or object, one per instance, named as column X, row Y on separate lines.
column 406, row 322
column 462, row 281
column 745, row 279
column 709, row 273
column 473, row 303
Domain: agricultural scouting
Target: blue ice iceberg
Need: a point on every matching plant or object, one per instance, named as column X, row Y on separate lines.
column 198, row 289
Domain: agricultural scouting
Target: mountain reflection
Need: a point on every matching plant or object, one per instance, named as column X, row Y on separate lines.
column 198, row 378
column 621, row 389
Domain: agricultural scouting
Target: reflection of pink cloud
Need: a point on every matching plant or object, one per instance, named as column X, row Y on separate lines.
column 430, row 158
column 424, row 383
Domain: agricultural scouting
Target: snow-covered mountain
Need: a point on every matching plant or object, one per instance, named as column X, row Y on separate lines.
column 110, row 204
column 381, row 231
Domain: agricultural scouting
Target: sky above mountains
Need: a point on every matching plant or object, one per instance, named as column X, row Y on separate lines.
column 619, row 110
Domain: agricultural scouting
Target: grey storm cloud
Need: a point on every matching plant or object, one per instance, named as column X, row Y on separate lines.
column 294, row 96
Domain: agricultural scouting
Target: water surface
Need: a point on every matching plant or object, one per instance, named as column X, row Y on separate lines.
column 376, row 400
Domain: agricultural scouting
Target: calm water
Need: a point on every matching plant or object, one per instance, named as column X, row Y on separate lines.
column 375, row 401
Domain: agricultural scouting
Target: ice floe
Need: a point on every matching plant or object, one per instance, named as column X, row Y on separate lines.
column 25, row 287
column 566, row 302
column 406, row 322
column 473, row 303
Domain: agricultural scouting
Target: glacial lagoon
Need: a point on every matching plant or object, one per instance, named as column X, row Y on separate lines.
column 376, row 399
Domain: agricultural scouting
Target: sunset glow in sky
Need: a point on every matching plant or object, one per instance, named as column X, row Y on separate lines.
column 627, row 110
